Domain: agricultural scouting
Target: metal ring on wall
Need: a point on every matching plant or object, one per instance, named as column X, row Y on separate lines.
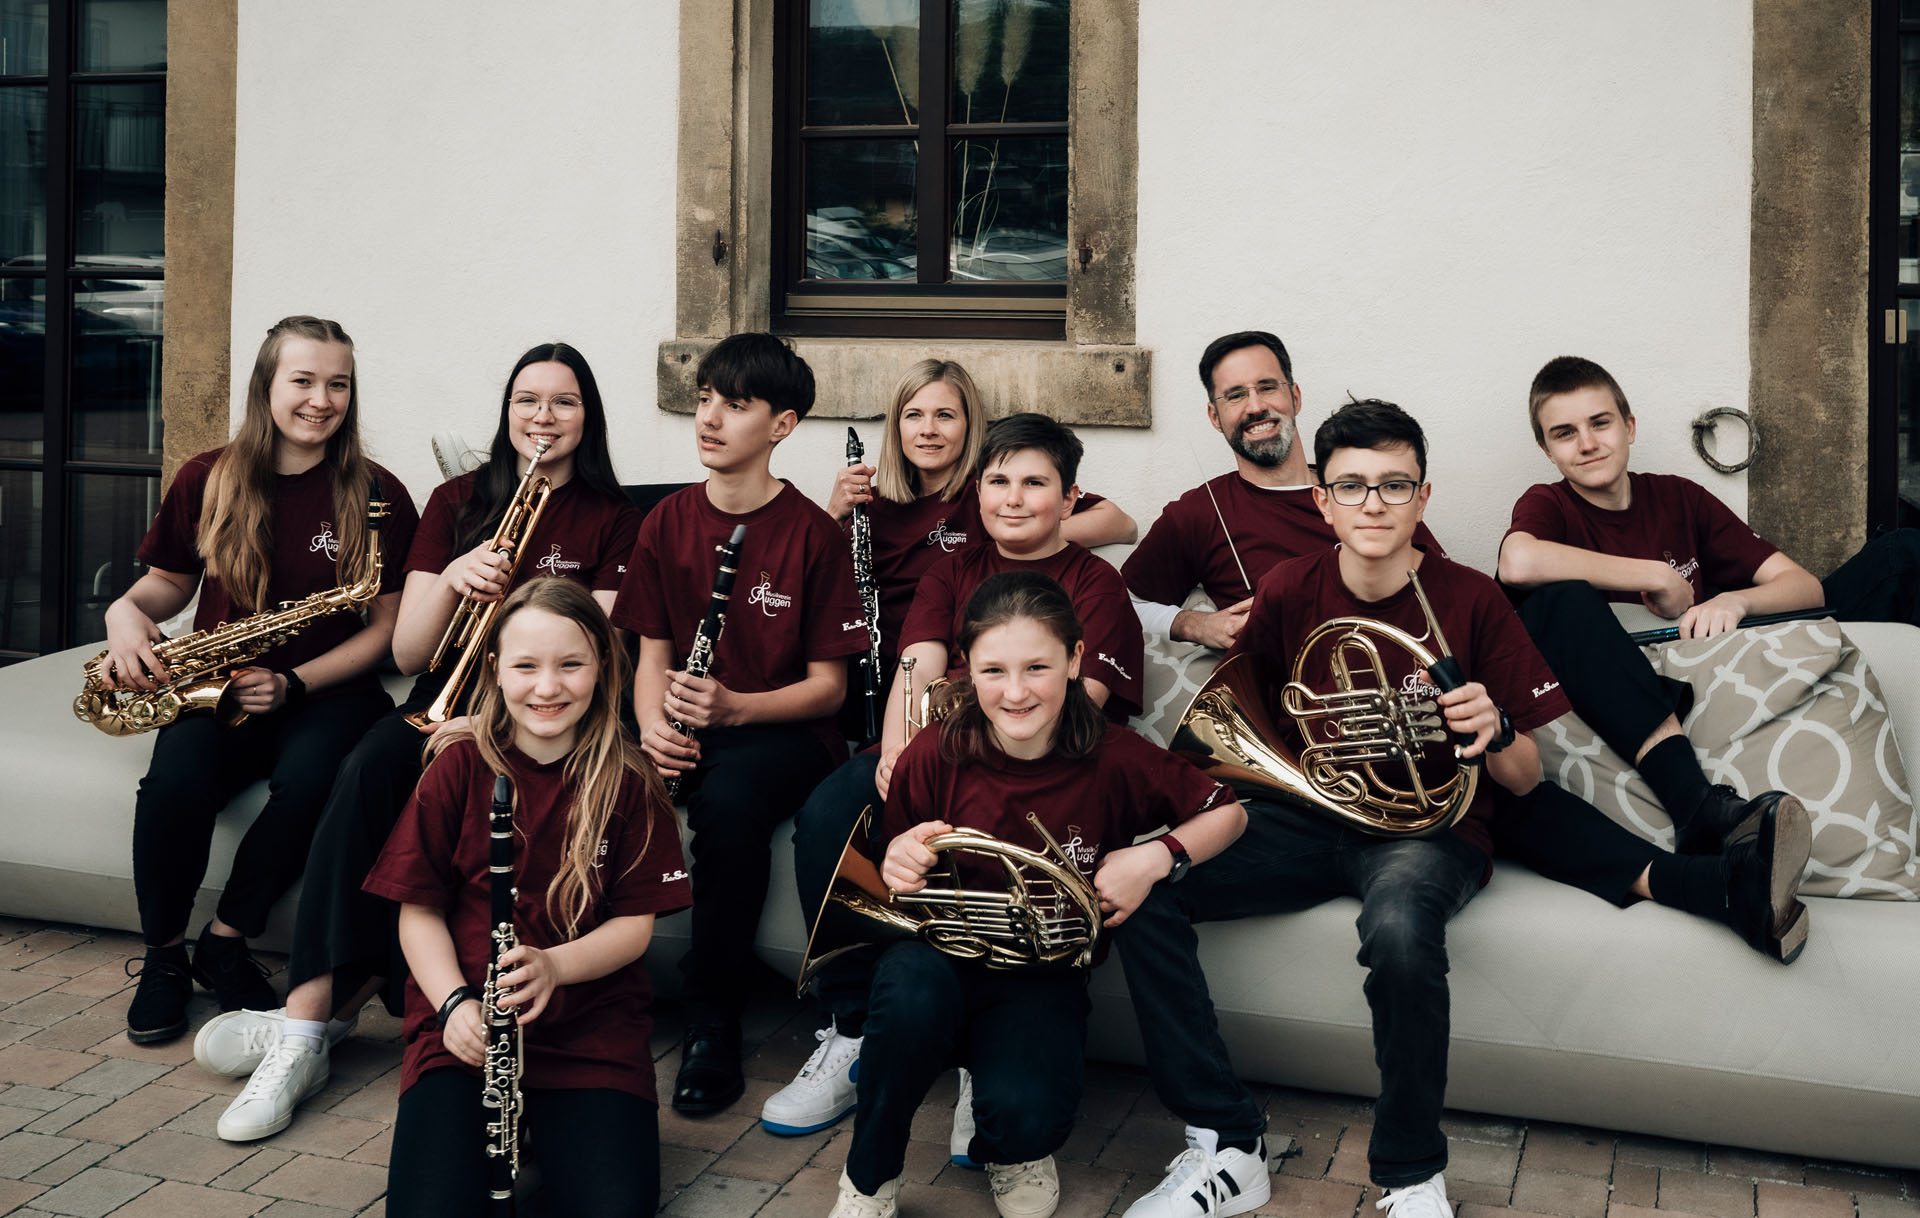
column 1704, row 426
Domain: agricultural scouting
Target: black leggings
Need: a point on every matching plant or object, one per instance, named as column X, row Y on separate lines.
column 199, row 765
column 598, row 1150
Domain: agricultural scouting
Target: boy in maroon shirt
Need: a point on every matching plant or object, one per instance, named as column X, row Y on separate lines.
column 760, row 723
column 1027, row 489
column 1605, row 534
column 1373, row 492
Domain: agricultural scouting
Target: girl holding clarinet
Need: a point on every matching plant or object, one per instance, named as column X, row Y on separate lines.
column 596, row 857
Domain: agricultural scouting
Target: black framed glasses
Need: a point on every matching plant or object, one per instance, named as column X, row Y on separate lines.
column 1393, row 492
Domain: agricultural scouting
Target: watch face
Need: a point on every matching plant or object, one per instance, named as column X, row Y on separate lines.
column 1180, row 866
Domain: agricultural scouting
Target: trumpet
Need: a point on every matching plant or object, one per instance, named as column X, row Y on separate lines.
column 1364, row 742
column 473, row 619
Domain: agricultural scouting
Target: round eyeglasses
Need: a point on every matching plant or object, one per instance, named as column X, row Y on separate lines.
column 1394, row 491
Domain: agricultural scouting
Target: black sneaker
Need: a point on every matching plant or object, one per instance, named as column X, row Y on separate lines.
column 1765, row 857
column 159, row 1008
column 710, row 1078
column 238, row 981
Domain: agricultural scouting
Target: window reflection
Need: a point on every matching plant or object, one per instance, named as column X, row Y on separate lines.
column 21, row 591
column 110, row 516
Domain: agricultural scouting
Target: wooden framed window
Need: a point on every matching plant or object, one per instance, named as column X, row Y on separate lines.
column 921, row 168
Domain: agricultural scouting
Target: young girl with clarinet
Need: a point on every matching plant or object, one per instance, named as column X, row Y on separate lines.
column 278, row 514
column 552, row 427
column 595, row 858
column 1021, row 736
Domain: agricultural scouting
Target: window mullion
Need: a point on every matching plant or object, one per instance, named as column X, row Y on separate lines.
column 931, row 172
column 55, row 525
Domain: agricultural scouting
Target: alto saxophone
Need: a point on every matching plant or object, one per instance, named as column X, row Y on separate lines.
column 506, row 1046
column 473, row 619
column 200, row 665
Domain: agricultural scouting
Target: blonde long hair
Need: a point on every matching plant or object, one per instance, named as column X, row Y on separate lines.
column 235, row 538
column 602, row 753
column 894, row 478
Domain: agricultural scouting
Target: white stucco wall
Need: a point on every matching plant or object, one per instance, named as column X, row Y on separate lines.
column 1426, row 201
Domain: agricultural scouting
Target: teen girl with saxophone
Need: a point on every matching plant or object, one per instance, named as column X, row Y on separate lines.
column 459, row 566
column 278, row 514
column 595, row 857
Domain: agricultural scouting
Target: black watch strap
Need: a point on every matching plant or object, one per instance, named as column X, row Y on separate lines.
column 1504, row 737
column 296, row 687
column 460, row 994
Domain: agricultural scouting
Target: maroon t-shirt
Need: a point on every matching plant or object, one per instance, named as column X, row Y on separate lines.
column 793, row 601
column 1092, row 806
column 909, row 538
column 1186, row 546
column 306, row 552
column 1670, row 519
column 593, row 1033
column 1486, row 636
column 1116, row 648
column 582, row 535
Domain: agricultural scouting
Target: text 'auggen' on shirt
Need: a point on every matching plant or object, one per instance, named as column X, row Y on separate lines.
column 306, row 553
column 1187, row 547
column 1486, row 636
column 793, row 600
column 582, row 535
column 593, row 1033
column 1116, row 648
column 1669, row 519
column 1092, row 805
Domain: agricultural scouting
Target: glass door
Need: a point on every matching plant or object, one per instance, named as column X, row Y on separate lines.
column 1893, row 483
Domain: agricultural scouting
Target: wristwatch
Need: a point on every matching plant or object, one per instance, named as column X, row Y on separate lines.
column 296, row 686
column 1503, row 737
column 1182, row 861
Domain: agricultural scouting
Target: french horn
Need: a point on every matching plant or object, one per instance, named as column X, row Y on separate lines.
column 1367, row 745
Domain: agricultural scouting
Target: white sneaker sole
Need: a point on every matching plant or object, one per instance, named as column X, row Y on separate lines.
column 236, row 1132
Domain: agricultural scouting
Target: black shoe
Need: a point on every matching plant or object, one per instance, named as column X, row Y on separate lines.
column 1721, row 813
column 238, row 981
column 710, row 1077
column 1765, row 857
column 159, row 1009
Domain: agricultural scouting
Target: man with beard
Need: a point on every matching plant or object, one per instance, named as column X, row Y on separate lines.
column 1266, row 503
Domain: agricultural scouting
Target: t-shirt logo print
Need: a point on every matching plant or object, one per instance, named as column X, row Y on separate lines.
column 1686, row 569
column 1083, row 852
column 764, row 596
column 946, row 538
column 553, row 564
column 325, row 540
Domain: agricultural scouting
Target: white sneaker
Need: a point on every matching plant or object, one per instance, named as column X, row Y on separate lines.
column 823, row 1091
column 962, row 1136
column 236, row 1042
column 1427, row 1199
column 1205, row 1182
column 1024, row 1190
column 291, row 1073
column 855, row 1204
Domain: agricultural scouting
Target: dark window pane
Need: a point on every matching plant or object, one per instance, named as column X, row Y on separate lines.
column 861, row 217
column 23, row 37
column 23, row 173
column 123, row 35
column 23, row 346
column 863, row 62
column 20, row 571
column 1009, row 61
column 119, row 173
column 116, row 370
column 110, row 516
column 1010, row 209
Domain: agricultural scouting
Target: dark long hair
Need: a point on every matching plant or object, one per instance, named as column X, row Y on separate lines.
column 966, row 735
column 495, row 482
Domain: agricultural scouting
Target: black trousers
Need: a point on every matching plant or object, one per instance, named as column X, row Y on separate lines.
column 339, row 929
column 1290, row 859
column 598, row 1151
column 820, row 832
column 1879, row 584
column 1564, row 838
column 749, row 780
column 1606, row 678
column 1022, row 1034
column 199, row 765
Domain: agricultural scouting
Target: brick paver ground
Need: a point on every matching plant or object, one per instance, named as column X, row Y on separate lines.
column 91, row 1125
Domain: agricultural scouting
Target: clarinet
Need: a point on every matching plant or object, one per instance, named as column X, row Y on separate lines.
column 500, row 1078
column 700, row 659
column 869, row 594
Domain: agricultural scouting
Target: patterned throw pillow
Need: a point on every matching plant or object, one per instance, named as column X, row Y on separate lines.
column 1791, row 707
column 1175, row 673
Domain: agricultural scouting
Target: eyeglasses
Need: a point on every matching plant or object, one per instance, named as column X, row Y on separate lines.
column 1267, row 391
column 562, row 405
column 1394, row 491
